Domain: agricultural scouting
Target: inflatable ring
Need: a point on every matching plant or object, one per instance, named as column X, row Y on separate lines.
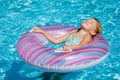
column 31, row 47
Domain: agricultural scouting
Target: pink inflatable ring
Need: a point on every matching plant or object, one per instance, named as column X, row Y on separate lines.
column 32, row 50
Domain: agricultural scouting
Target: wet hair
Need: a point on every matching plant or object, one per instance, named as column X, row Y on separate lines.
column 98, row 28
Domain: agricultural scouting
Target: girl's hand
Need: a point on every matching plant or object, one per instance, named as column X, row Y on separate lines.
column 66, row 48
column 37, row 29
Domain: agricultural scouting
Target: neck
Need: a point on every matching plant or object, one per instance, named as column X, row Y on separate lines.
column 83, row 32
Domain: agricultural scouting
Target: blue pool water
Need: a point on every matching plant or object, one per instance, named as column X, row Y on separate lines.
column 18, row 16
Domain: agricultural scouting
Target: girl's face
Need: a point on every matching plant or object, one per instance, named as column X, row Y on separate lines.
column 89, row 24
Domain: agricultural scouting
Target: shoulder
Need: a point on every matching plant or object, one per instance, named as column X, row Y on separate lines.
column 87, row 37
column 73, row 31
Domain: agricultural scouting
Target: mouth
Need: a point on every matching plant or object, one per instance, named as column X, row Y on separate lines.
column 85, row 22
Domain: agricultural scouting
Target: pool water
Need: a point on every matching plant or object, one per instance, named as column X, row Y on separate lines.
column 19, row 16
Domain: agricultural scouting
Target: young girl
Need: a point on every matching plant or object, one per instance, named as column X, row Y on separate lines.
column 76, row 38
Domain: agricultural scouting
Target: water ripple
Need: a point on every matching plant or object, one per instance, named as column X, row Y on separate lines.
column 16, row 17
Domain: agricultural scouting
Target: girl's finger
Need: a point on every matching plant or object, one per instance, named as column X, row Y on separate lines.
column 63, row 47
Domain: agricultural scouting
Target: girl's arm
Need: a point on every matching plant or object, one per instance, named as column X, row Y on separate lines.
column 56, row 40
column 50, row 37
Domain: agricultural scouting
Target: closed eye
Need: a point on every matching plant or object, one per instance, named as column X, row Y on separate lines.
column 91, row 22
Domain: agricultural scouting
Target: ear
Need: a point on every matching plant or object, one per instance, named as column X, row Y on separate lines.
column 93, row 32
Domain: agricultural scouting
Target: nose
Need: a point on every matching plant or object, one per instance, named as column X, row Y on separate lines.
column 84, row 21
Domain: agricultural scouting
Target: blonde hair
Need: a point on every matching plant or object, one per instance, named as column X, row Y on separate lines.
column 98, row 27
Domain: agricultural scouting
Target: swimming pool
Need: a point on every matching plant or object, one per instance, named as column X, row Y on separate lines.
column 19, row 16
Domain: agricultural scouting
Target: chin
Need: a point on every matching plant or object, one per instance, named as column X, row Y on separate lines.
column 84, row 24
column 84, row 28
